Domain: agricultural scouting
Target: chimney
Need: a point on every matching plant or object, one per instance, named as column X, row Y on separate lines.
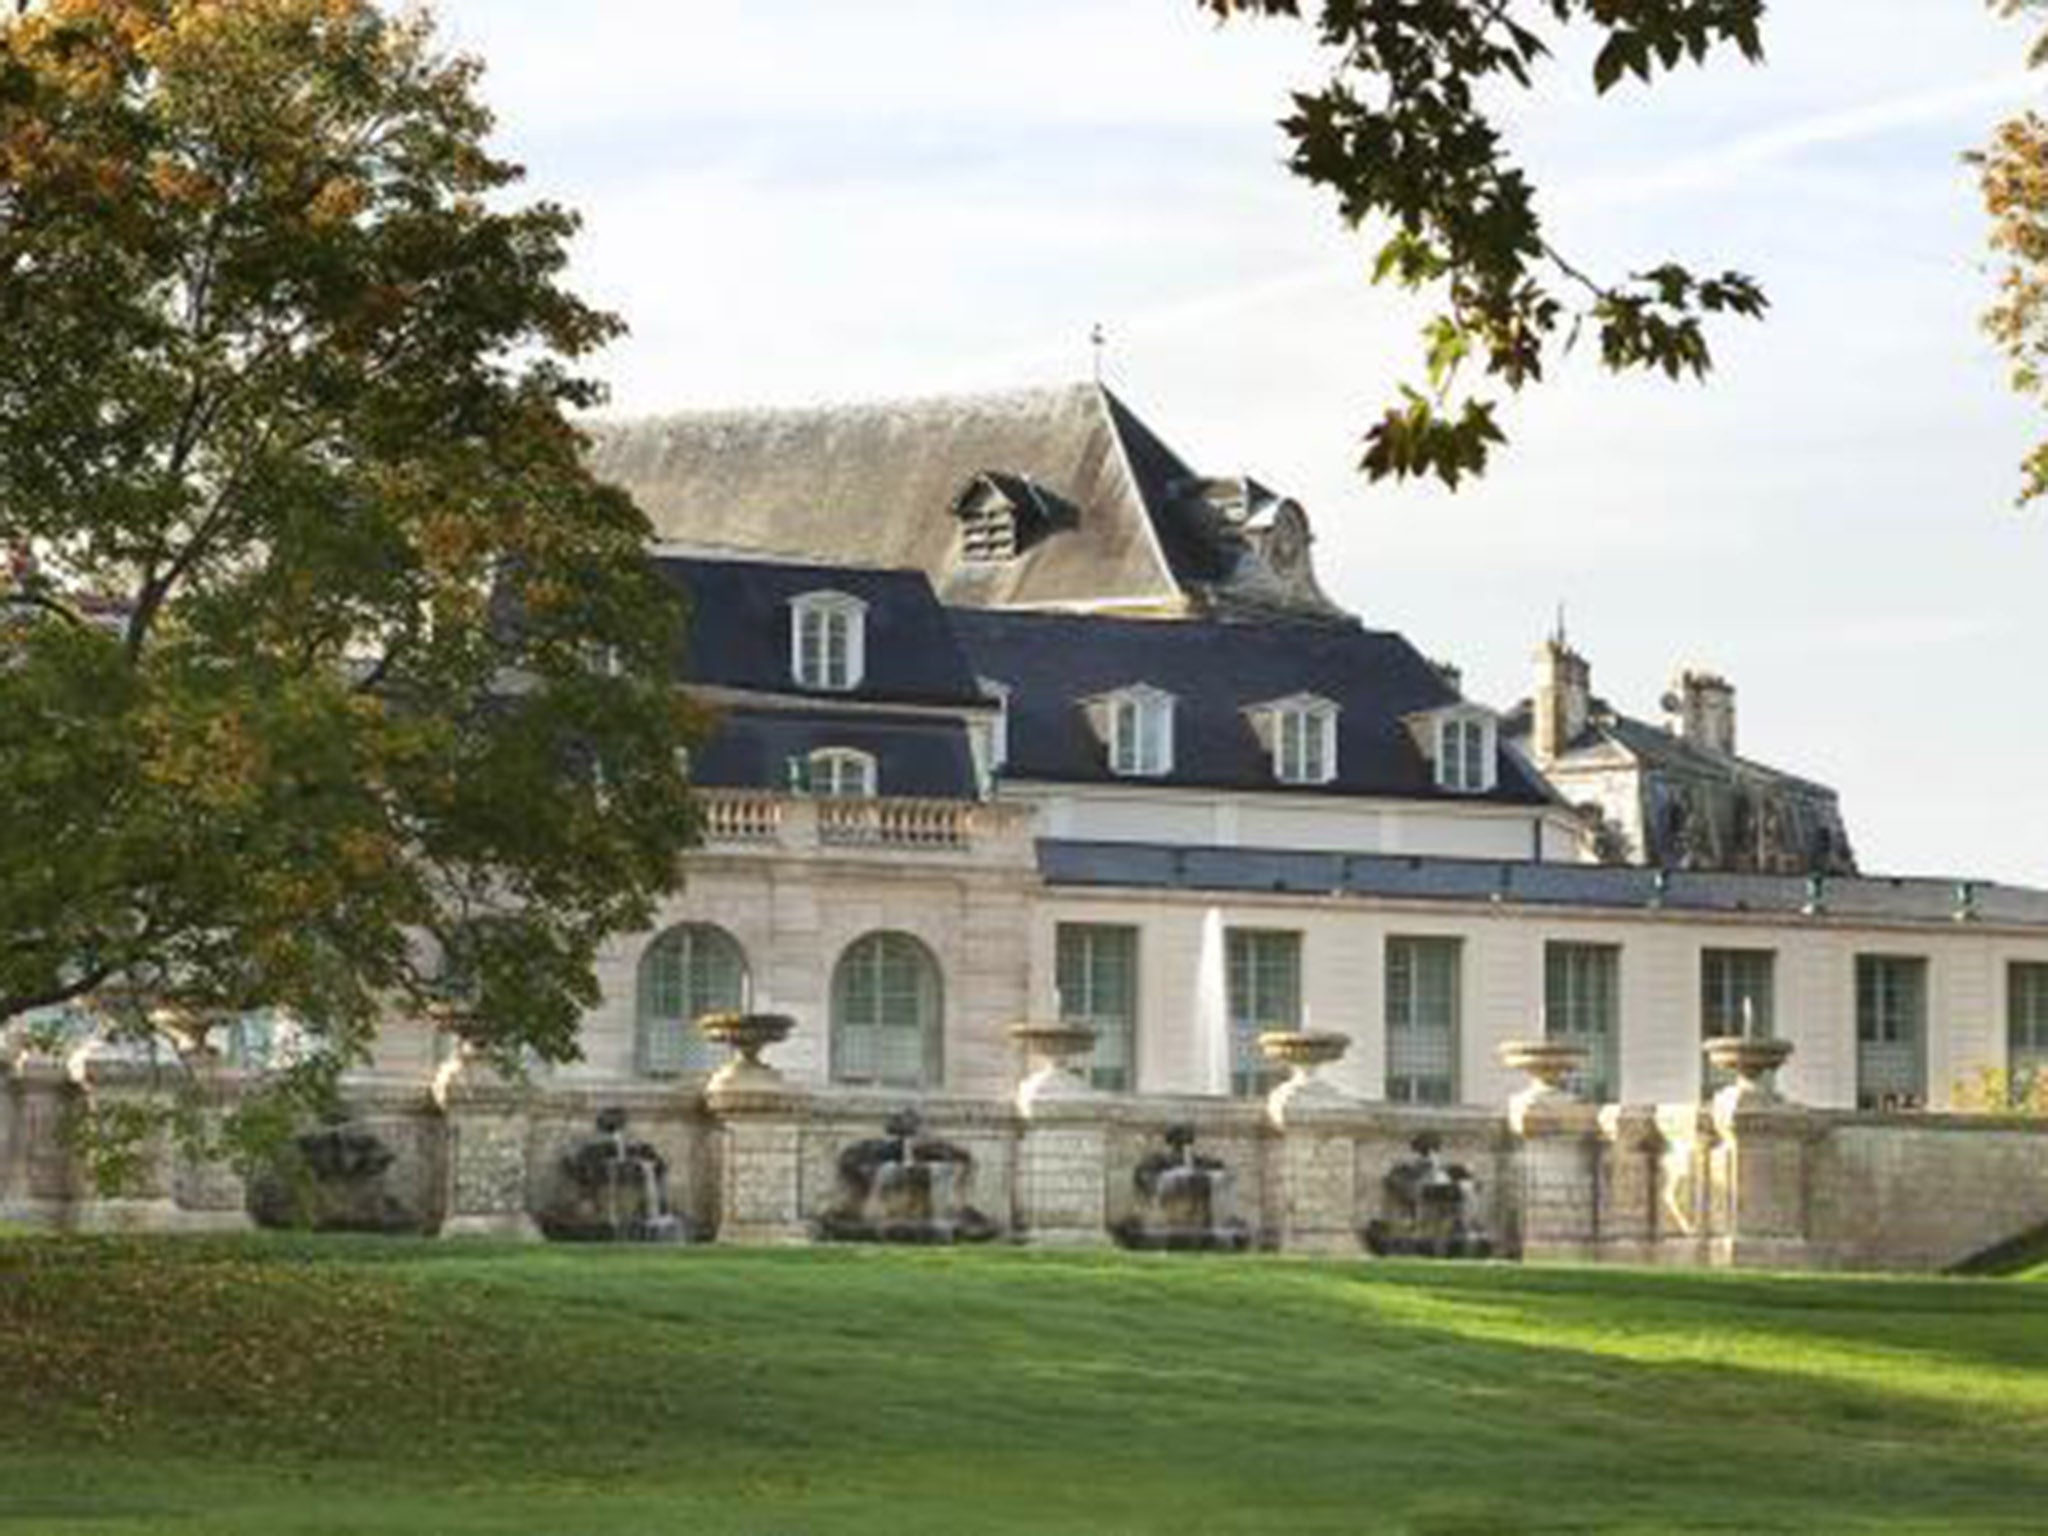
column 1701, row 706
column 1564, row 698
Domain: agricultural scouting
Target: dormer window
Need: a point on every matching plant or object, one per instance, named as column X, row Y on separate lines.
column 1140, row 732
column 1001, row 515
column 1301, row 734
column 1465, row 753
column 840, row 773
column 827, row 641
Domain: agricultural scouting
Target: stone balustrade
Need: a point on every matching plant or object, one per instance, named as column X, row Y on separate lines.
column 751, row 819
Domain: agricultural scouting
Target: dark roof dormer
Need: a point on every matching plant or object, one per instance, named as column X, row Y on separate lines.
column 1002, row 515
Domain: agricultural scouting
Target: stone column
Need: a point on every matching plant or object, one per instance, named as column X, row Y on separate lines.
column 1315, row 1184
column 760, row 1145
column 1063, row 1149
column 486, row 1129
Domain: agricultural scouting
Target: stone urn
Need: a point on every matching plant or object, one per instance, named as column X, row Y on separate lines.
column 1052, row 1053
column 1750, row 1060
column 746, row 1035
column 1548, row 1064
column 1304, row 1052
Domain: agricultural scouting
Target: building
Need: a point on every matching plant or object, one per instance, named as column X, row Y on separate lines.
column 1016, row 717
column 1021, row 716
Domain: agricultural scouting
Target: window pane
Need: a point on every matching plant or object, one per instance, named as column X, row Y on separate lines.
column 885, row 1014
column 686, row 973
column 1891, row 1016
column 2026, row 1024
column 1582, row 995
column 810, row 662
column 1422, row 1020
column 1098, row 986
column 1735, row 999
column 1124, row 737
column 835, row 650
column 1263, row 969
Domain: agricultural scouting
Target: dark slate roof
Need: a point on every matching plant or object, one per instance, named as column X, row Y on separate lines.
column 877, row 483
column 1053, row 662
column 739, row 633
column 1656, row 747
column 919, row 756
column 1877, row 899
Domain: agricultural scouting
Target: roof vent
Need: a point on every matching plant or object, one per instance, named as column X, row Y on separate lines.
column 1002, row 515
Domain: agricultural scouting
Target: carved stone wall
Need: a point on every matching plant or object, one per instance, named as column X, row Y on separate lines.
column 1747, row 1184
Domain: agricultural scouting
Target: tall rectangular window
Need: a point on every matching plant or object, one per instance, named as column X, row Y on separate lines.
column 1422, row 1020
column 1582, row 1004
column 1891, row 1032
column 1735, row 999
column 1263, row 967
column 1098, row 982
column 2026, row 1023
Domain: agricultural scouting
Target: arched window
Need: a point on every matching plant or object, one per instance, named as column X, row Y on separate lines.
column 689, row 971
column 886, row 1020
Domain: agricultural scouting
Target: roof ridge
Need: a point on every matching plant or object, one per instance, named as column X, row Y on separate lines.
column 1114, row 412
column 1018, row 397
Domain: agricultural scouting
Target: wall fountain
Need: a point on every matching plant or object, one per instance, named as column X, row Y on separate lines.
column 905, row 1187
column 613, row 1189
column 1183, row 1201
column 1433, row 1208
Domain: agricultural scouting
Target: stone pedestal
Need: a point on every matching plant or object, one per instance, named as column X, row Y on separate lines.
column 1630, row 1190
column 1062, row 1150
column 1062, row 1156
column 487, row 1129
column 142, row 1198
column 1557, row 1204
column 760, row 1178
column 211, row 1195
column 1760, row 1213
column 1316, row 1185
column 1315, row 1167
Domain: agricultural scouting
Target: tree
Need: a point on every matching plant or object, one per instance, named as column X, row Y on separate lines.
column 1400, row 136
column 2013, row 175
column 324, row 658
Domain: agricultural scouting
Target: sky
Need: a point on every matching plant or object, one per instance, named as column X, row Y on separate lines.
column 794, row 201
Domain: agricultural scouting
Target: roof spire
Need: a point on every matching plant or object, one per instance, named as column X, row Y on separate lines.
column 1097, row 340
column 1562, row 641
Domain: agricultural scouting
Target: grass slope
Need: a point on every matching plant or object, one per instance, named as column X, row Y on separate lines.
column 292, row 1388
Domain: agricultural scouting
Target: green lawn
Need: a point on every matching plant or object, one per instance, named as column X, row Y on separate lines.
column 340, row 1386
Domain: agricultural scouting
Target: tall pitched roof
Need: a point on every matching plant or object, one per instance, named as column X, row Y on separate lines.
column 879, row 484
